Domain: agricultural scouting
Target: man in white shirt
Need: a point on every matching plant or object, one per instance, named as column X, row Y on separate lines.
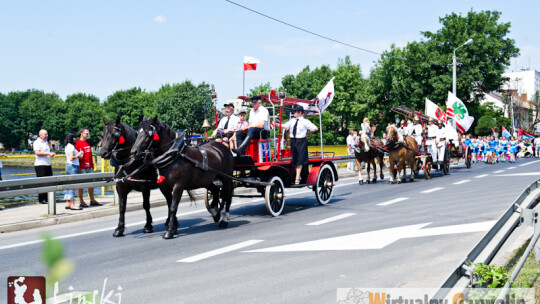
column 409, row 129
column 431, row 143
column 258, row 126
column 350, row 149
column 42, row 164
column 225, row 129
column 298, row 130
column 417, row 132
column 441, row 141
column 536, row 143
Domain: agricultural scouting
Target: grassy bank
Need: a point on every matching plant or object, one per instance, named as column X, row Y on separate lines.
column 529, row 276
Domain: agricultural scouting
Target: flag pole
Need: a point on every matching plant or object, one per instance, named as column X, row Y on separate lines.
column 320, row 127
column 244, row 82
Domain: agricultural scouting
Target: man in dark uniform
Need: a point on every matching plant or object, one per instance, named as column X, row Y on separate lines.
column 299, row 128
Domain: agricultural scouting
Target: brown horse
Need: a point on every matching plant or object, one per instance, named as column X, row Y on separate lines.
column 367, row 151
column 182, row 167
column 401, row 152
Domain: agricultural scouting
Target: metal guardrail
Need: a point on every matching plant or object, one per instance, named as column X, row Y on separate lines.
column 52, row 184
column 486, row 249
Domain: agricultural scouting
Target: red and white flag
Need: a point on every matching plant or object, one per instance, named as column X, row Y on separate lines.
column 250, row 63
column 433, row 110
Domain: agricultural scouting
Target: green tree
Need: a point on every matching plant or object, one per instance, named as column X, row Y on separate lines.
column 263, row 88
column 84, row 111
column 408, row 75
column 43, row 111
column 490, row 116
column 184, row 105
column 130, row 105
column 481, row 63
column 11, row 125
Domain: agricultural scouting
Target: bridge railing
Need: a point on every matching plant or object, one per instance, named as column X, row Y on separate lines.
column 52, row 184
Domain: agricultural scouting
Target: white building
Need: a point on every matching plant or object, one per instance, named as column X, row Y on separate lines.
column 237, row 104
column 524, row 82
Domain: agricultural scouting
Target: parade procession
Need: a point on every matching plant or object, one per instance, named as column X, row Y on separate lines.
column 280, row 152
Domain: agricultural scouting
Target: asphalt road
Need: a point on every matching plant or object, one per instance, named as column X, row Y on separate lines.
column 378, row 235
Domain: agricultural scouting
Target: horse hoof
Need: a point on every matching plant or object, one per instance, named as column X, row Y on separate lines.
column 223, row 224
column 148, row 229
column 361, row 182
column 399, row 182
column 217, row 217
column 369, row 182
column 168, row 235
column 118, row 232
column 374, row 180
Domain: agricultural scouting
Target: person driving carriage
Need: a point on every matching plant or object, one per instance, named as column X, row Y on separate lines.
column 226, row 126
column 417, row 132
column 258, row 126
column 299, row 128
column 441, row 141
column 432, row 131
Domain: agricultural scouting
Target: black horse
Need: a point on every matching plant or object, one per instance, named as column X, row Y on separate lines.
column 118, row 139
column 182, row 167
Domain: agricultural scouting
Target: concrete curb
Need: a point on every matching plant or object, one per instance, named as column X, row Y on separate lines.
column 107, row 210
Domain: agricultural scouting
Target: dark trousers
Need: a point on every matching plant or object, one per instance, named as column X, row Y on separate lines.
column 40, row 172
column 255, row 133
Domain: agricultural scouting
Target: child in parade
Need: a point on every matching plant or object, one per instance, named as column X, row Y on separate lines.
column 513, row 149
column 492, row 156
column 504, row 148
column 475, row 150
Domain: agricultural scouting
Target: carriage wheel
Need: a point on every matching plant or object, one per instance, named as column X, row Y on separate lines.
column 427, row 167
column 417, row 166
column 324, row 188
column 208, row 197
column 274, row 196
column 446, row 163
column 468, row 157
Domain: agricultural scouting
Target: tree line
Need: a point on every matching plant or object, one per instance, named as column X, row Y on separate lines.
column 401, row 76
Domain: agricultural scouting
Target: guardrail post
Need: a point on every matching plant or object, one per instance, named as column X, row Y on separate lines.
column 51, row 196
column 116, row 197
column 536, row 224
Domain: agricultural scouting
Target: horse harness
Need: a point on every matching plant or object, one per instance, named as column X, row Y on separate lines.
column 175, row 151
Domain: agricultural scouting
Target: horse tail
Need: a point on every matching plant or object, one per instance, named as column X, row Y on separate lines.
column 191, row 197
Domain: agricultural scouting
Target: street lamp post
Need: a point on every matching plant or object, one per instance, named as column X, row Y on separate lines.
column 454, row 66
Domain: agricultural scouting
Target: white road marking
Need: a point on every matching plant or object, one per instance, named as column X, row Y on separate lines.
column 499, row 171
column 526, row 164
column 159, row 219
column 480, row 176
column 219, row 251
column 432, row 190
column 510, row 168
column 396, row 200
column 462, row 182
column 377, row 239
column 331, row 219
column 521, row 174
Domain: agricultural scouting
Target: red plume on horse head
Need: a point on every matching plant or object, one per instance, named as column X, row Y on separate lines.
column 153, row 123
column 121, row 138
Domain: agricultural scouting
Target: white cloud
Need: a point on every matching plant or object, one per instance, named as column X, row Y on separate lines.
column 160, row 19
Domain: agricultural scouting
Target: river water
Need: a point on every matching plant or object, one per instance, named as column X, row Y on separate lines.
column 11, row 170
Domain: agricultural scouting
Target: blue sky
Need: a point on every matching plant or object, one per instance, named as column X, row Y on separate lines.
column 98, row 47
